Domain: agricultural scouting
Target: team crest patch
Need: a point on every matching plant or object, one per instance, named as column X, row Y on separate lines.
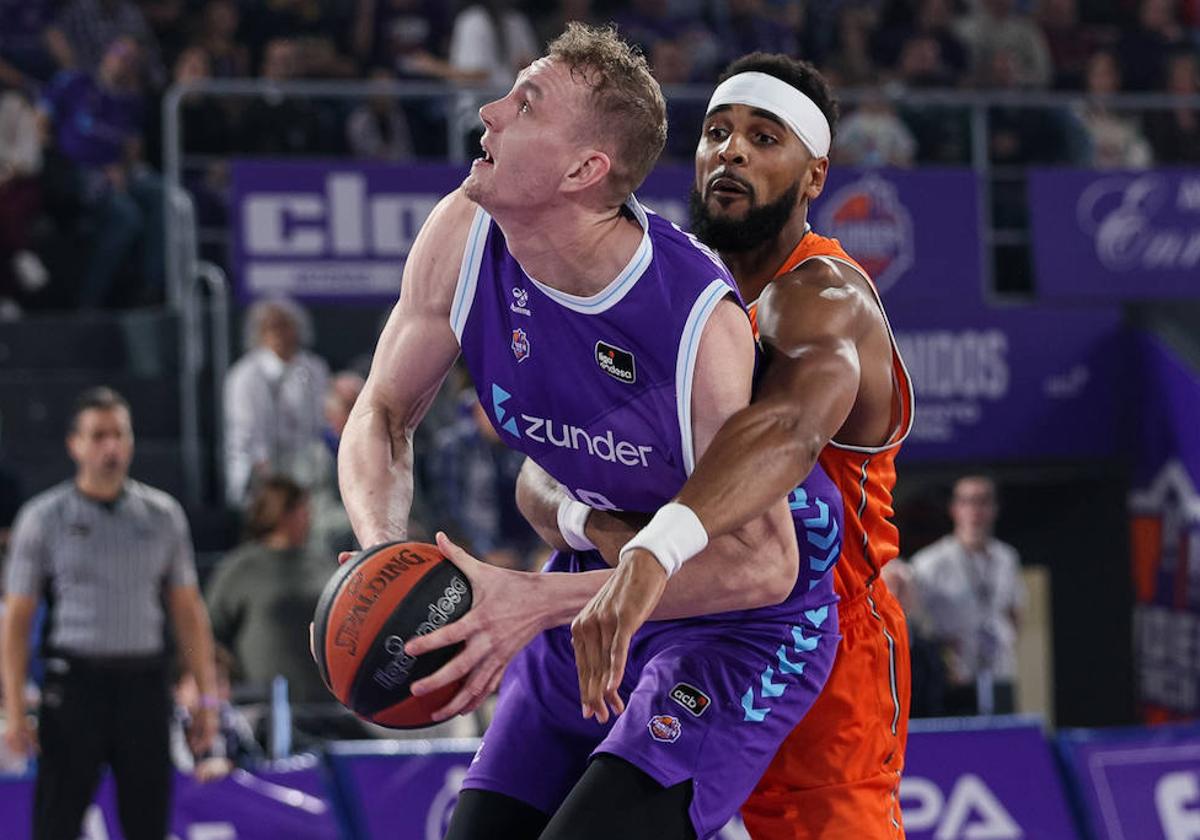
column 520, row 345
column 691, row 698
column 616, row 362
column 665, row 728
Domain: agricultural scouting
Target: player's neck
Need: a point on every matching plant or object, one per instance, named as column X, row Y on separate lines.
column 577, row 252
column 755, row 268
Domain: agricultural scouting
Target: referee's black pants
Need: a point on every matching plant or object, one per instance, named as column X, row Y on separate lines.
column 103, row 712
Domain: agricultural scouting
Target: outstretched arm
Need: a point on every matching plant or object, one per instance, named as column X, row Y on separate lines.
column 811, row 323
column 414, row 354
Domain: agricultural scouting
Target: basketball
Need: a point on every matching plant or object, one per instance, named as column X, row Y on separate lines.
column 377, row 600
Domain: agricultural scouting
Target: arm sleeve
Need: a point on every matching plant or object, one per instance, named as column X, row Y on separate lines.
column 28, row 558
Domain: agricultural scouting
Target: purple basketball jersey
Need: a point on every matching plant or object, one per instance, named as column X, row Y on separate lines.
column 596, row 390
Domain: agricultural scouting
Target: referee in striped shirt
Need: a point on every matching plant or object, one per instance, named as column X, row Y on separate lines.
column 112, row 557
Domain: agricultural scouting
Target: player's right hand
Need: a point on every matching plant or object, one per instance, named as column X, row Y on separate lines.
column 20, row 736
column 505, row 615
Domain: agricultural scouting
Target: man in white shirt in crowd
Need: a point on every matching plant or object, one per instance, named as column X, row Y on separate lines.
column 970, row 584
column 274, row 399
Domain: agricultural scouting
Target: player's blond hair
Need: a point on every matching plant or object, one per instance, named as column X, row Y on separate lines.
column 627, row 105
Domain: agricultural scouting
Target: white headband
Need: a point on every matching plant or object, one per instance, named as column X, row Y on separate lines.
column 793, row 108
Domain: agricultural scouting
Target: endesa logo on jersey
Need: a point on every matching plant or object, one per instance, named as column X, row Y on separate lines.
column 616, row 362
column 603, row 445
column 874, row 227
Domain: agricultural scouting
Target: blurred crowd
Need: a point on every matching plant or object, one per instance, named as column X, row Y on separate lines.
column 81, row 83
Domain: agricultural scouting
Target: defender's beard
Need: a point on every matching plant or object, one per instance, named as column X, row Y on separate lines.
column 761, row 223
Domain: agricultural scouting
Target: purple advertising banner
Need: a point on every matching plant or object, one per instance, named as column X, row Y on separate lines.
column 243, row 806
column 1012, row 384
column 1141, row 785
column 1164, row 507
column 1115, row 235
column 342, row 230
column 1000, row 783
column 407, row 790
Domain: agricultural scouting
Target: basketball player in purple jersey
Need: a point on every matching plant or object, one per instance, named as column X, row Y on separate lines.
column 609, row 347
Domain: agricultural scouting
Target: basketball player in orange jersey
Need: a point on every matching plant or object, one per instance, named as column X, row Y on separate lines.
column 834, row 391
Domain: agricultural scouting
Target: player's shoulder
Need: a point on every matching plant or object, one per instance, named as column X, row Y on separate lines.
column 819, row 276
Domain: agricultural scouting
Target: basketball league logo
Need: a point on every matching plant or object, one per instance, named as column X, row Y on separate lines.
column 520, row 345
column 665, row 728
column 871, row 223
column 520, row 303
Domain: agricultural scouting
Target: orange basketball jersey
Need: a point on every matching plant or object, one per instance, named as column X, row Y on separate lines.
column 837, row 776
column 864, row 475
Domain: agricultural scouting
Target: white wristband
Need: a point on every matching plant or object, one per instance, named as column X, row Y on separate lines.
column 673, row 536
column 572, row 517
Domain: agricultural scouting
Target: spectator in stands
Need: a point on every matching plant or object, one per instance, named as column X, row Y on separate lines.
column 205, row 122
column 113, row 557
column 25, row 58
column 491, row 42
column 85, row 29
column 331, row 531
column 234, row 744
column 96, row 123
column 551, row 25
column 273, row 398
column 277, row 124
column 927, row 52
column 749, row 28
column 1071, row 43
column 473, row 477
column 850, row 63
column 672, row 65
column 378, row 129
column 874, row 135
column 1143, row 47
column 389, row 33
column 970, row 584
column 996, row 27
column 261, row 597
column 21, row 269
column 927, row 665
column 227, row 56
column 1175, row 133
column 1115, row 141
column 646, row 22
column 1025, row 135
column 942, row 133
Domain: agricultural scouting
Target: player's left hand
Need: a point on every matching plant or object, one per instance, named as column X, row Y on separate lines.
column 506, row 614
column 602, row 631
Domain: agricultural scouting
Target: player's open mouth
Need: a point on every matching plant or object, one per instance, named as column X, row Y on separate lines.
column 486, row 157
column 726, row 186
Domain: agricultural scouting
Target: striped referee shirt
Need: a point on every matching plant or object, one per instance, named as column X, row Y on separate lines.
column 106, row 566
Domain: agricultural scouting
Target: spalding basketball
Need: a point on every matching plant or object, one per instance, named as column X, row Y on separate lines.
column 376, row 600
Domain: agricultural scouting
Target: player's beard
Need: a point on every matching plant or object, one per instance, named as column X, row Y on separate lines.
column 761, row 223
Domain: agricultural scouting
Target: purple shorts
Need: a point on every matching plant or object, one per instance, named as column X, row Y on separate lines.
column 708, row 699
